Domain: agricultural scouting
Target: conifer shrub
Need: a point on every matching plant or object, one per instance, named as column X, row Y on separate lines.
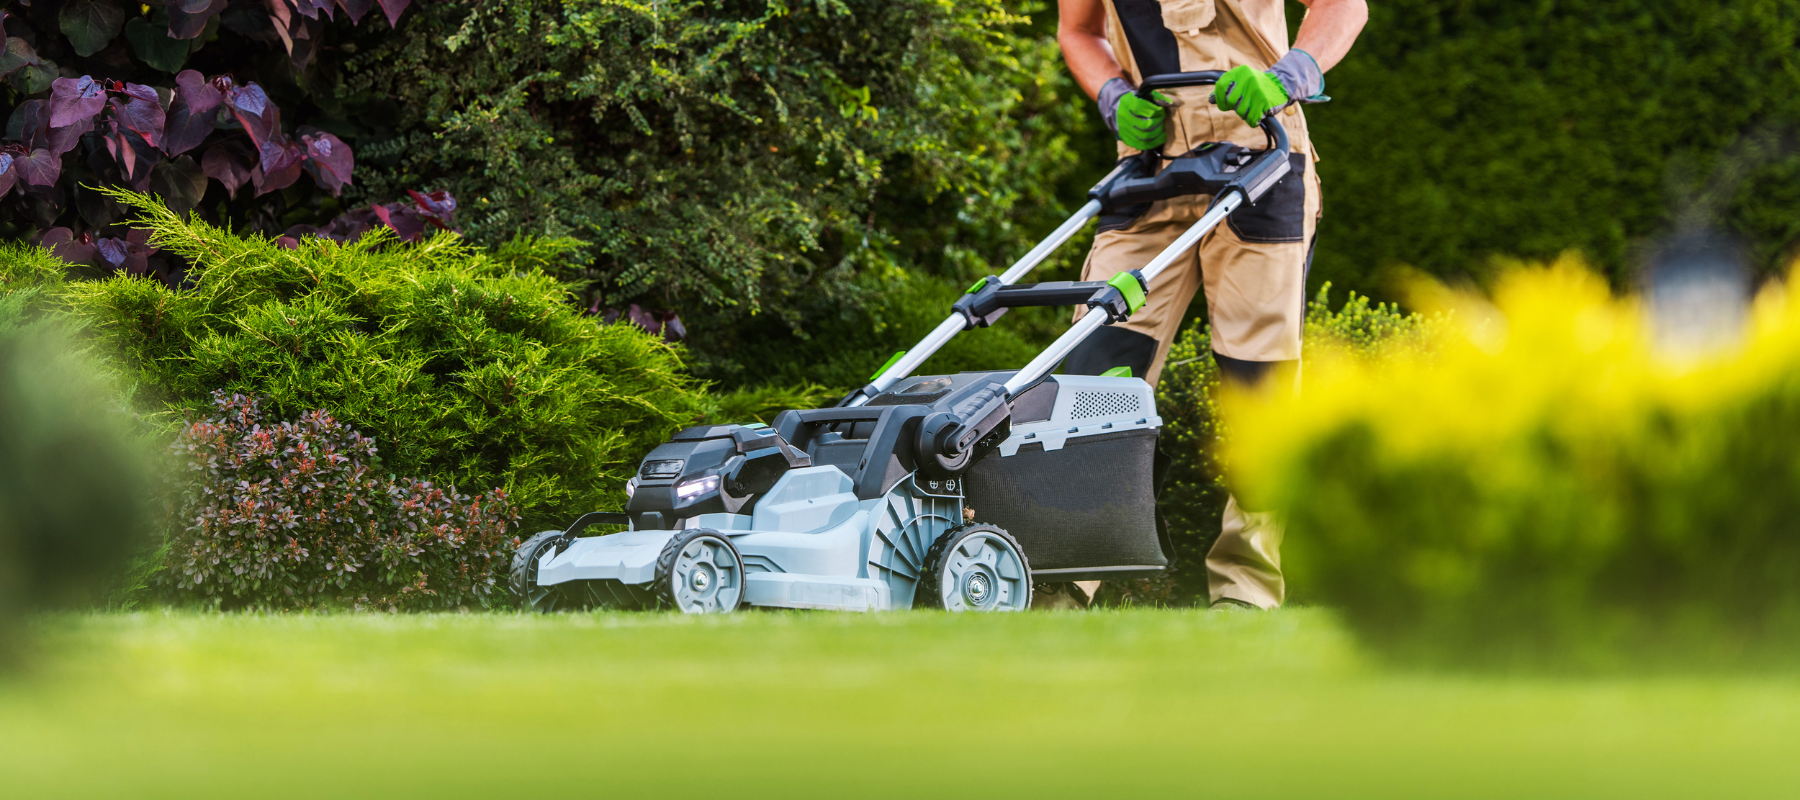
column 468, row 367
column 301, row 513
column 1550, row 489
column 1187, row 398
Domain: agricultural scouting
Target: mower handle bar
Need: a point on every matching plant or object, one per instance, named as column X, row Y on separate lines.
column 954, row 324
column 1278, row 138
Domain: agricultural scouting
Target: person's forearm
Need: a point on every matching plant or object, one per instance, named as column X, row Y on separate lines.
column 1329, row 29
column 1081, row 31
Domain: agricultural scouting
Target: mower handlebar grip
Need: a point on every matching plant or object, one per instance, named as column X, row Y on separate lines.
column 1278, row 137
column 1177, row 80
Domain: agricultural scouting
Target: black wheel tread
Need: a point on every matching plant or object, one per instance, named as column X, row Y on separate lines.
column 664, row 589
column 524, row 558
column 929, row 593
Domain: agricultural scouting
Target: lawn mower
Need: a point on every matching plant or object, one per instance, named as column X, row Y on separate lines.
column 946, row 491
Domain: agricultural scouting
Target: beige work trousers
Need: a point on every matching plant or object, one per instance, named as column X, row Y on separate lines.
column 1254, row 276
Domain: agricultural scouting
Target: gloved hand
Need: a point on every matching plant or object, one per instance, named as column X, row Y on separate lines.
column 1254, row 94
column 1140, row 123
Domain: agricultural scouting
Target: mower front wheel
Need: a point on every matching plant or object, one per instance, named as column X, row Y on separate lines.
column 976, row 567
column 700, row 572
column 524, row 573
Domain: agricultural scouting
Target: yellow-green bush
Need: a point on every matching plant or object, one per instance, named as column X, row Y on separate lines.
column 1546, row 488
column 1194, row 490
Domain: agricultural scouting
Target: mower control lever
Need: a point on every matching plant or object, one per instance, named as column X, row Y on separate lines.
column 1129, row 168
column 989, row 299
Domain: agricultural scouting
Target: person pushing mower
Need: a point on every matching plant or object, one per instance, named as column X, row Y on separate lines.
column 1253, row 268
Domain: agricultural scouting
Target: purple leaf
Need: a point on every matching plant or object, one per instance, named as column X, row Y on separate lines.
column 17, row 53
column 188, row 18
column 73, row 99
column 252, row 109
column 405, row 221
column 279, row 154
column 281, row 20
column 228, row 163
column 138, row 91
column 311, row 8
column 140, row 116
column 201, row 97
column 248, row 98
column 438, row 206
column 8, row 175
column 64, row 139
column 30, row 124
column 134, row 164
column 186, row 129
column 39, row 168
column 351, row 225
column 330, row 159
column 356, row 9
column 392, row 9
column 125, row 254
column 280, row 165
column 64, row 244
column 122, row 153
column 112, row 251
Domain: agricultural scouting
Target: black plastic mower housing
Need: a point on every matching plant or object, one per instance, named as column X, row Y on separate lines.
column 723, row 468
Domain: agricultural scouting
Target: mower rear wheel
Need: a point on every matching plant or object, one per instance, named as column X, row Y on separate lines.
column 524, row 573
column 700, row 572
column 976, row 567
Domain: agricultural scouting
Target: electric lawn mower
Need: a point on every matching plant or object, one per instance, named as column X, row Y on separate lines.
column 947, row 491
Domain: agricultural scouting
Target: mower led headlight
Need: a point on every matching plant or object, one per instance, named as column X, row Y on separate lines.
column 696, row 488
column 661, row 469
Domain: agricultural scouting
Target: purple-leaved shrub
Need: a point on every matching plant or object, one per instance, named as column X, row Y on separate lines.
column 300, row 514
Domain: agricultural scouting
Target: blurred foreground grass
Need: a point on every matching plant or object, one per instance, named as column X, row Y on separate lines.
column 1146, row 703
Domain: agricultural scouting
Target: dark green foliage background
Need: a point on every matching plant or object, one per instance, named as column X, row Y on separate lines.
column 773, row 171
column 1465, row 130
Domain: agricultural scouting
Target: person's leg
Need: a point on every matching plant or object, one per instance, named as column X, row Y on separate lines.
column 1255, row 276
column 1142, row 342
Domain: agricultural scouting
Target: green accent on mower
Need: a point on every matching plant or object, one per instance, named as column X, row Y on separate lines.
column 1117, row 372
column 890, row 363
column 1128, row 285
column 977, row 286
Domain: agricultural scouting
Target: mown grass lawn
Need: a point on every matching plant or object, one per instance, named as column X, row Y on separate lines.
column 914, row 705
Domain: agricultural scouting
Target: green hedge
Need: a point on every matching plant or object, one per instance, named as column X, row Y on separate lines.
column 729, row 159
column 464, row 368
column 1547, row 489
column 1465, row 130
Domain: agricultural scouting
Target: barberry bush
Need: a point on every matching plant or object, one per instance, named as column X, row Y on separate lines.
column 301, row 513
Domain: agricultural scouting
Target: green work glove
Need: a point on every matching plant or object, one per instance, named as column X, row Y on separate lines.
column 1140, row 123
column 1250, row 93
column 1254, row 94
